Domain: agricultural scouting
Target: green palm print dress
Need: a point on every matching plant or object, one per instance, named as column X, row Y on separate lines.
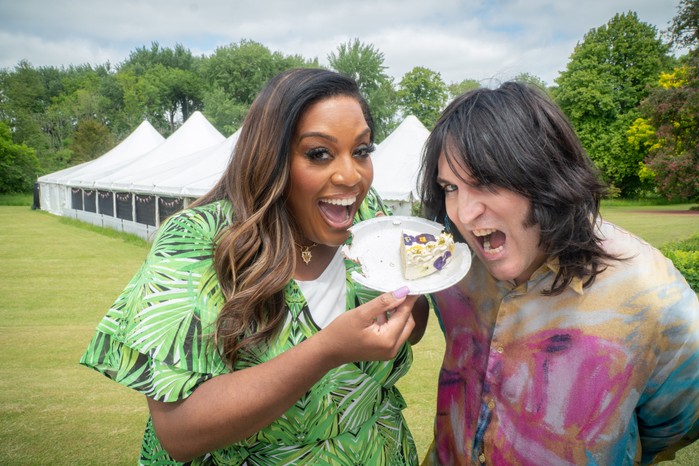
column 156, row 339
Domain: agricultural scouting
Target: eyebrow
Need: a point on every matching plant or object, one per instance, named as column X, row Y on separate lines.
column 318, row 134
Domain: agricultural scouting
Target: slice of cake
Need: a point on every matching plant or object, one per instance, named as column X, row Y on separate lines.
column 423, row 254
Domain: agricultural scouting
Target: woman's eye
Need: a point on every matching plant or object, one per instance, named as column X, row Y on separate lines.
column 318, row 153
column 364, row 151
column 448, row 188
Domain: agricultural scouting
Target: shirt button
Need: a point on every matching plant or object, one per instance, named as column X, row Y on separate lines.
column 481, row 458
column 491, row 404
column 500, row 349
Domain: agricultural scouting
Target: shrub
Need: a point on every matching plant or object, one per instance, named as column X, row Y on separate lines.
column 685, row 255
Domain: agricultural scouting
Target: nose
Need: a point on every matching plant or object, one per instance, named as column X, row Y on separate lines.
column 346, row 171
column 468, row 206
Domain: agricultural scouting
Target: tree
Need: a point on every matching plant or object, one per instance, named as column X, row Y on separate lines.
column 608, row 75
column 423, row 94
column 672, row 111
column 18, row 164
column 24, row 97
column 223, row 112
column 34, row 111
column 365, row 65
column 241, row 70
column 235, row 74
column 456, row 89
column 90, row 140
column 166, row 83
column 532, row 80
column 684, row 28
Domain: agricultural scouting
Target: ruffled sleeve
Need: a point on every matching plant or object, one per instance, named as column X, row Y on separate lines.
column 157, row 338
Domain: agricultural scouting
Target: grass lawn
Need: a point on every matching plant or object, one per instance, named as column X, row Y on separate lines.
column 57, row 281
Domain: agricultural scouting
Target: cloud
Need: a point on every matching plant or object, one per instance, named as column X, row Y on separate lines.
column 460, row 39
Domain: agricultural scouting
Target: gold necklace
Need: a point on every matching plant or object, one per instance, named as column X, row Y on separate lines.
column 306, row 255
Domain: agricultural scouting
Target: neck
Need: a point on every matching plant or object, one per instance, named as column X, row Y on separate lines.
column 321, row 255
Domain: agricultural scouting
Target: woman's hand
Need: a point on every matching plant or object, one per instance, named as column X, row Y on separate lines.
column 372, row 332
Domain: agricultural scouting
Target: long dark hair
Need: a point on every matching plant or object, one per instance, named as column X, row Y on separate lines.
column 254, row 258
column 514, row 137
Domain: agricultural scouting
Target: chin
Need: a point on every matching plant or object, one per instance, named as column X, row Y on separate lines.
column 503, row 275
column 334, row 239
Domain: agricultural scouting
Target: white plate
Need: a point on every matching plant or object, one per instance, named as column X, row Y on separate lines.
column 376, row 246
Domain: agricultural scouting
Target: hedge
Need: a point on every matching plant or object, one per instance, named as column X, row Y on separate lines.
column 685, row 255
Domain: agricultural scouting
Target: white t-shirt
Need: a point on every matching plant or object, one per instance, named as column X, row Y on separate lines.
column 327, row 295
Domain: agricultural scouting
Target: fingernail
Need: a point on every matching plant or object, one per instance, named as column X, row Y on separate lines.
column 401, row 292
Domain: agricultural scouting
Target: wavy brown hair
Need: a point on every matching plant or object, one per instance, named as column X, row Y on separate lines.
column 254, row 257
column 514, row 137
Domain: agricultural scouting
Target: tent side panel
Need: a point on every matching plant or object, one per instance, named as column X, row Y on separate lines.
column 168, row 206
column 145, row 209
column 124, row 208
column 105, row 201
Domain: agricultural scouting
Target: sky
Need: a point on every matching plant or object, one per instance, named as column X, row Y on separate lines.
column 486, row 40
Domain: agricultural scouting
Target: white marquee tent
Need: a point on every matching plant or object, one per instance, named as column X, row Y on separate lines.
column 191, row 175
column 396, row 165
column 194, row 135
column 135, row 191
column 55, row 187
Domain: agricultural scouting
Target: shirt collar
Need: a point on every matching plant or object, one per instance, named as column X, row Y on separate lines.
column 547, row 269
column 576, row 284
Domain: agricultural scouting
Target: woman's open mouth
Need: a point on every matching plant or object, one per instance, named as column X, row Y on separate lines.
column 338, row 212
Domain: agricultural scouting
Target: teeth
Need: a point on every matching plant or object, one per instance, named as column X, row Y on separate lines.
column 485, row 234
column 488, row 250
column 484, row 231
column 342, row 202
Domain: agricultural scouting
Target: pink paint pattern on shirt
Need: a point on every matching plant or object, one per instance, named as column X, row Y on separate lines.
column 544, row 397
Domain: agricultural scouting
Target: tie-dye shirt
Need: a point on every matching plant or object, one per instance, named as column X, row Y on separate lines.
column 605, row 375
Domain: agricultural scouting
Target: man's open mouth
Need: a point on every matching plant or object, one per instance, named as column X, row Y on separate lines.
column 492, row 241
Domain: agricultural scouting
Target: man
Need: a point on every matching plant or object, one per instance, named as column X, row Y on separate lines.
column 570, row 341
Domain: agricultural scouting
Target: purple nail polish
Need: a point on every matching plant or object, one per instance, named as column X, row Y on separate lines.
column 401, row 292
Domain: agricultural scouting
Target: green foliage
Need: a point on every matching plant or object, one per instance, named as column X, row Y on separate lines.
column 364, row 63
column 18, row 164
column 166, row 83
column 456, row 89
column 234, row 74
column 685, row 256
column 532, row 80
column 90, row 140
column 673, row 111
column 223, row 112
column 423, row 94
column 24, row 102
column 684, row 29
column 608, row 75
column 241, row 70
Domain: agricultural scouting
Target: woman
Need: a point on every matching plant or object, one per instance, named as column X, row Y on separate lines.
column 240, row 328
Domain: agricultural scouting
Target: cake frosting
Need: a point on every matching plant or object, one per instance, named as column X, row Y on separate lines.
column 423, row 254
